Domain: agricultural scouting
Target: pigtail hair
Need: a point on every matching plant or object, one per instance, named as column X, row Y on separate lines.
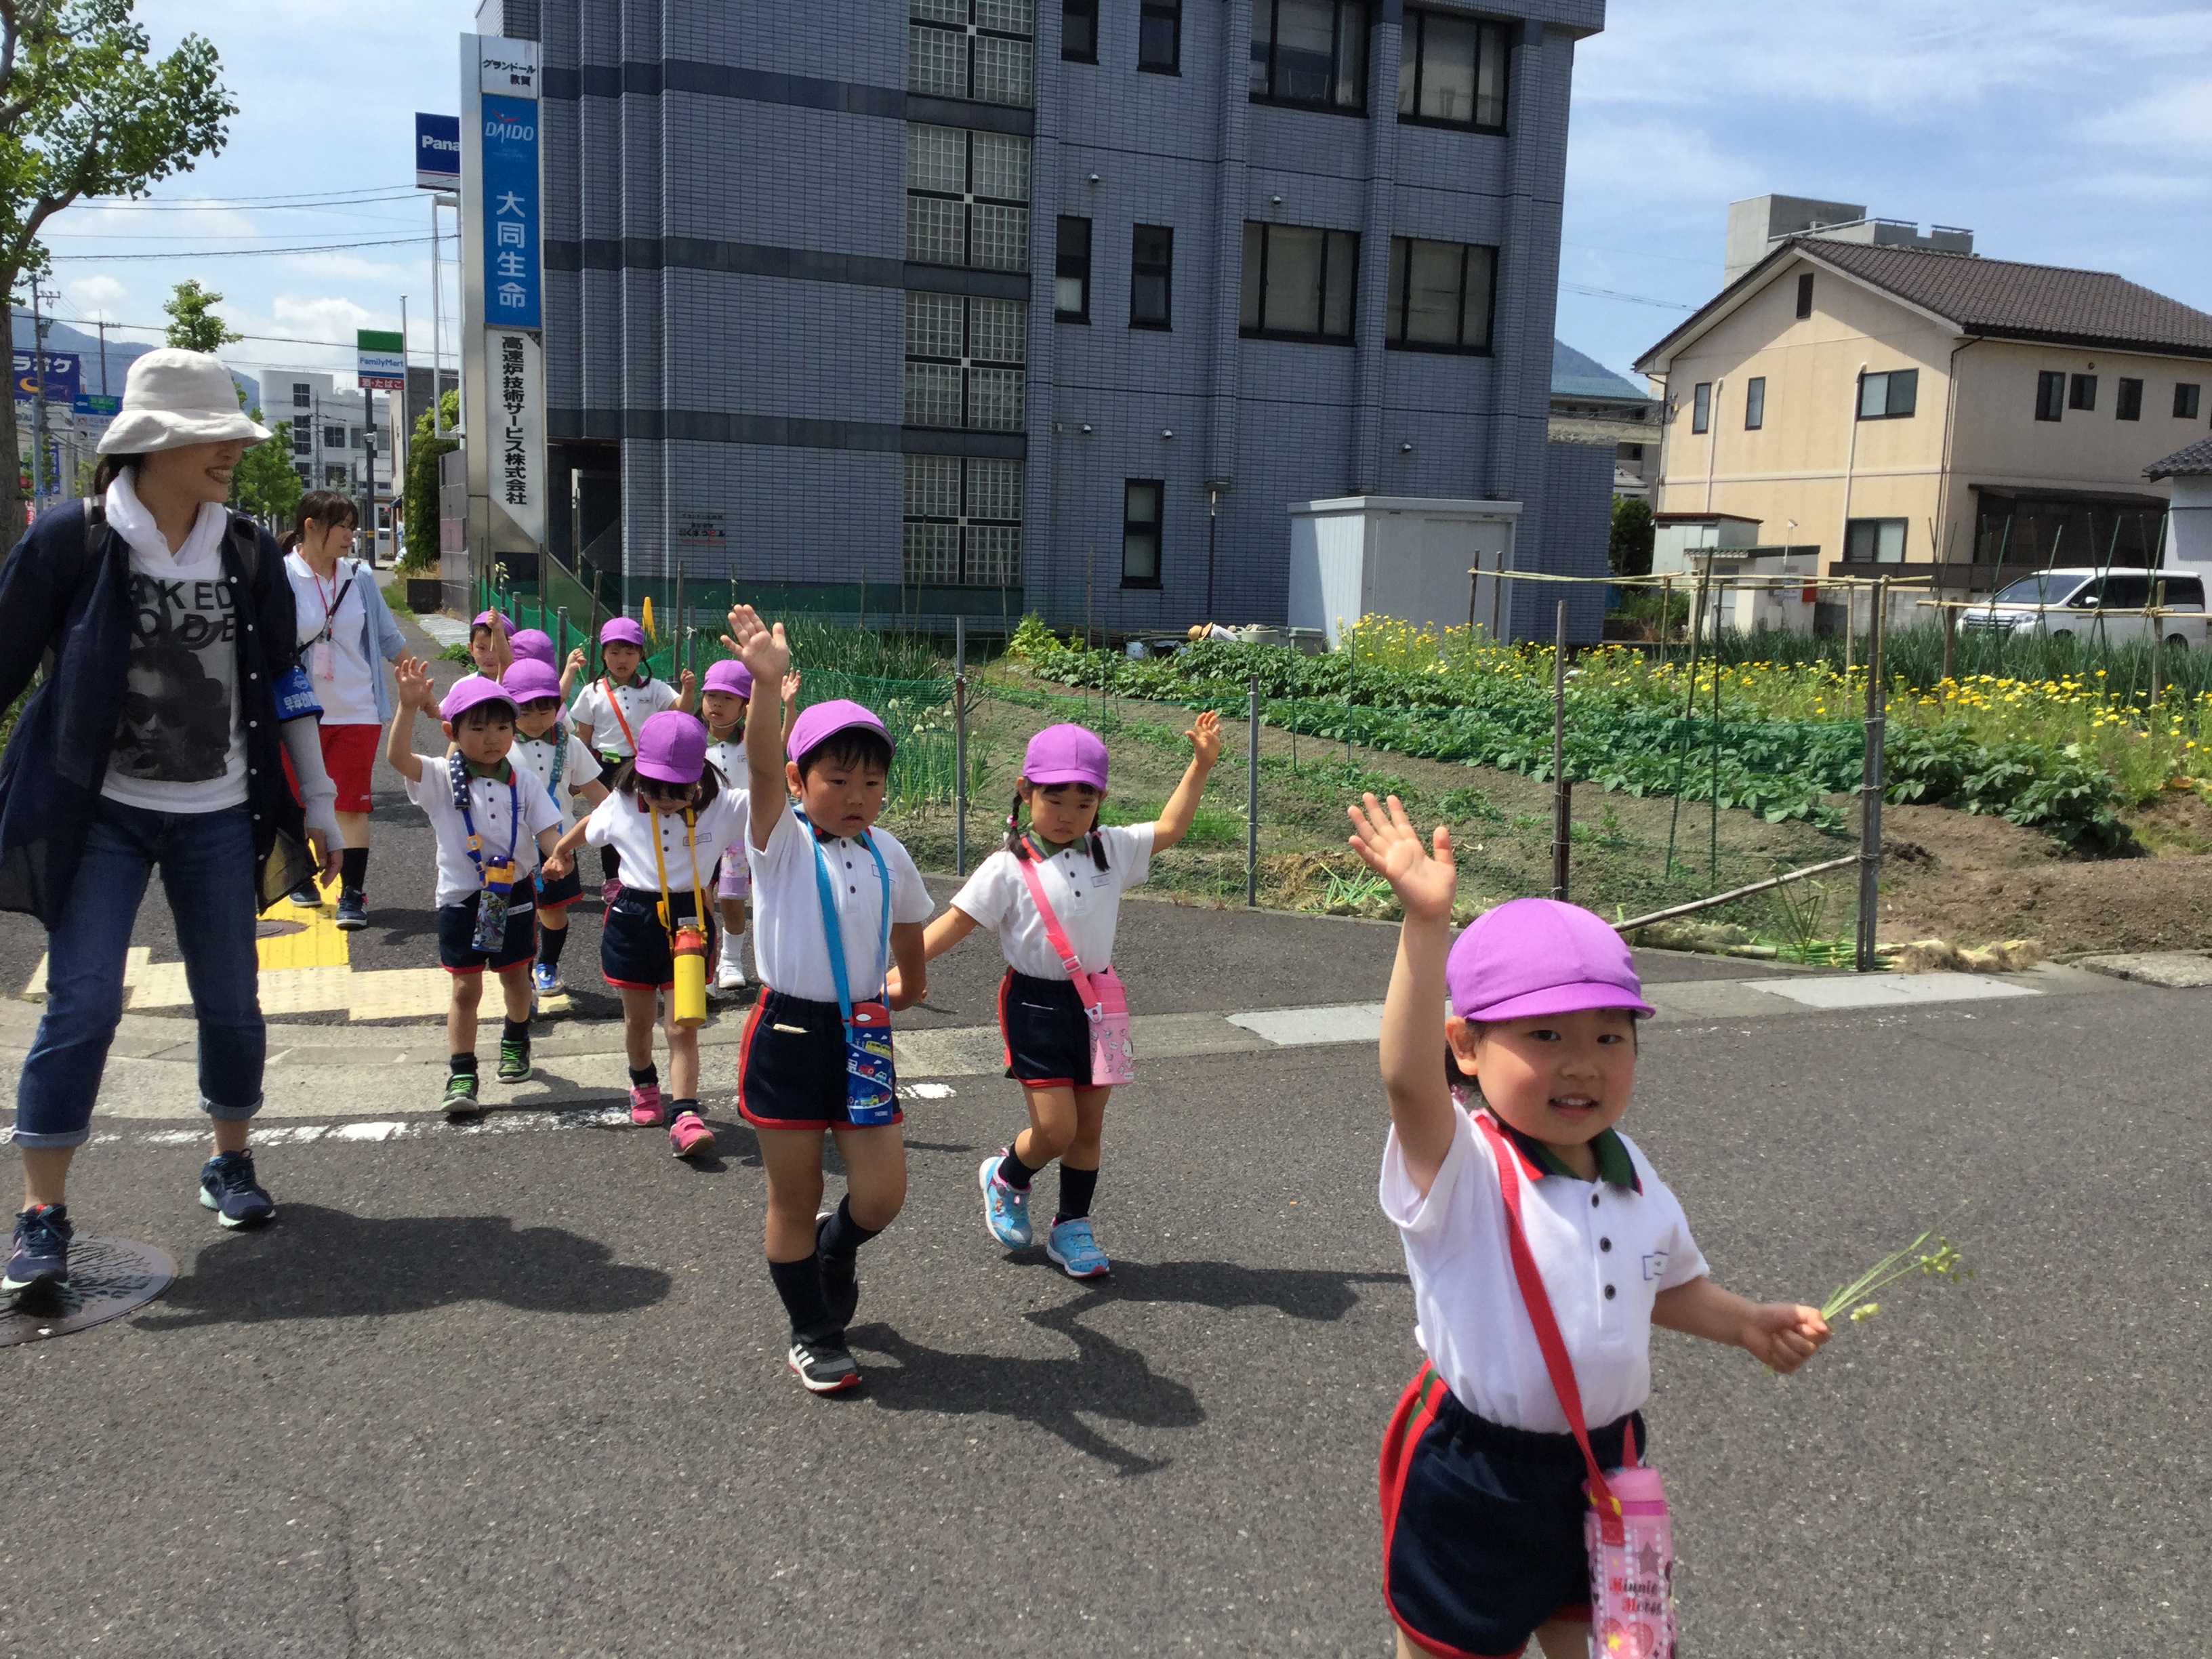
column 1097, row 847
column 1014, row 843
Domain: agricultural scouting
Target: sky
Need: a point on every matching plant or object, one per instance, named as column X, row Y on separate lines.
column 2069, row 134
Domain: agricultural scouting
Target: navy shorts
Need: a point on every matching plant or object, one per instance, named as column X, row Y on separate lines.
column 561, row 894
column 1482, row 1525
column 457, row 930
column 633, row 945
column 1047, row 1035
column 790, row 1066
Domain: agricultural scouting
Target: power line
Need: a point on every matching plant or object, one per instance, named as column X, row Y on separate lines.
column 201, row 203
column 1633, row 298
column 246, row 252
column 163, row 328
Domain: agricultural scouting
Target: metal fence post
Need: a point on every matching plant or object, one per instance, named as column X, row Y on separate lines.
column 1562, row 791
column 1870, row 786
column 960, row 746
column 1252, row 797
column 561, row 639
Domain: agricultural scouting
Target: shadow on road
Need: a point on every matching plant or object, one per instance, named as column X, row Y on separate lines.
column 318, row 1263
column 1299, row 1292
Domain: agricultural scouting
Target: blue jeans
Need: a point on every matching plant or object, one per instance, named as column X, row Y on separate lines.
column 207, row 870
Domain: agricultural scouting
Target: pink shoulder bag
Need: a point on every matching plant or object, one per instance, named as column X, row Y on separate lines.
column 1112, row 1058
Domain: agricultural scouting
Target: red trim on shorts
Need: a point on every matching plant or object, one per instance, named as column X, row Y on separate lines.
column 636, row 984
column 543, row 905
column 1417, row 1408
column 497, row 967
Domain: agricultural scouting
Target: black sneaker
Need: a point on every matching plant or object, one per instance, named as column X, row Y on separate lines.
column 461, row 1103
column 40, row 1255
column 353, row 910
column 513, row 1060
column 823, row 1364
column 306, row 896
column 227, row 1188
column 840, row 1280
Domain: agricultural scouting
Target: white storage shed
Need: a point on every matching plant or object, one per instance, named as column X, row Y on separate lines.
column 1400, row 555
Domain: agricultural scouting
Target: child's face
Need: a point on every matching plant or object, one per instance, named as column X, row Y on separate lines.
column 665, row 797
column 535, row 719
column 1560, row 1077
column 480, row 651
column 843, row 800
column 621, row 661
column 482, row 738
column 723, row 709
column 1061, row 812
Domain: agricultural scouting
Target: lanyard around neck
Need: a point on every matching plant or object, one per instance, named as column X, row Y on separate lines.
column 462, row 791
column 833, row 929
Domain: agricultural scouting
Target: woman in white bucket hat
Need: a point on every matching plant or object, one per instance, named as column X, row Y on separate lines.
column 157, row 737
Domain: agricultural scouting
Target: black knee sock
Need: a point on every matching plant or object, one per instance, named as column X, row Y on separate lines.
column 1077, row 1188
column 1014, row 1172
column 800, row 1284
column 644, row 1077
column 551, row 941
column 460, row 1063
column 353, row 869
column 841, row 1237
column 518, row 1031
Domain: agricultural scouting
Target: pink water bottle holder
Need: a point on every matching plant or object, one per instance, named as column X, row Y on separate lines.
column 1105, row 1004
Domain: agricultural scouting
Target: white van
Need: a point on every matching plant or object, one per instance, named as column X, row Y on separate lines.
column 2089, row 605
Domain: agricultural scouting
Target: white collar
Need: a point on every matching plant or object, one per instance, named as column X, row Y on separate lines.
column 135, row 525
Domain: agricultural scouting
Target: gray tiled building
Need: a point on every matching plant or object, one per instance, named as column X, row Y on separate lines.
column 991, row 306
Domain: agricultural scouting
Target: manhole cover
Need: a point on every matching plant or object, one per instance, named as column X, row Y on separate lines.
column 277, row 929
column 108, row 1277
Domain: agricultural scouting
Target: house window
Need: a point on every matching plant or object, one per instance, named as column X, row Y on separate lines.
column 334, row 437
column 1078, row 31
column 1312, row 53
column 1159, row 37
column 1452, row 71
column 964, row 522
column 1140, row 532
column 1701, row 406
column 337, row 477
column 307, row 472
column 303, row 437
column 964, row 361
column 1631, row 453
column 974, row 49
column 2128, row 405
column 2049, row 395
column 1070, row 287
column 1805, row 294
column 303, row 395
column 1439, row 296
column 1754, row 403
column 967, row 198
column 1151, row 275
column 1890, row 397
column 2185, row 401
column 1298, row 281
column 2082, row 392
column 1874, row 541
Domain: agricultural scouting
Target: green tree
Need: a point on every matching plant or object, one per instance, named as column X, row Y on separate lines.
column 419, row 509
column 265, row 483
column 1629, row 549
column 193, row 326
column 86, row 109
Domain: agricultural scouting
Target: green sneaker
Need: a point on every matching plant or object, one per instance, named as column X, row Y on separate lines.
column 514, row 1060
column 461, row 1097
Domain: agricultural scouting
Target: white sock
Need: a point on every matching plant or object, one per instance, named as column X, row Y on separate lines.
column 733, row 950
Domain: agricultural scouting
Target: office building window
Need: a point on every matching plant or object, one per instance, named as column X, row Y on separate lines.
column 1452, row 71
column 1701, row 406
column 1299, row 281
column 1151, row 277
column 1754, row 403
column 1805, row 294
column 2082, row 392
column 1141, row 532
column 303, row 395
column 1874, row 541
column 967, row 196
column 2184, row 400
column 964, row 522
column 1312, row 53
column 964, row 361
column 337, row 477
column 1159, row 37
column 1890, row 397
column 2049, row 395
column 303, row 437
column 1440, row 295
column 974, row 49
column 1078, row 31
column 334, row 437
column 307, row 472
column 2128, row 405
column 1070, row 289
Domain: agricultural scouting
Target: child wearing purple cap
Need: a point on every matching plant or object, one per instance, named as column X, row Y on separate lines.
column 726, row 695
column 549, row 751
column 491, row 823
column 836, row 900
column 668, row 813
column 1083, row 871
column 1482, row 1475
column 609, row 711
column 491, row 643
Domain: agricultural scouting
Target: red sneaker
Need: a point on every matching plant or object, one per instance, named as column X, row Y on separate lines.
column 645, row 1105
column 690, row 1136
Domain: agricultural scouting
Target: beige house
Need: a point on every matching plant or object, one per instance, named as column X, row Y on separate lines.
column 1927, row 413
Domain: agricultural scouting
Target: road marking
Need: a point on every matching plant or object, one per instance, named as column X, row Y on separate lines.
column 1296, row 1028
column 1889, row 990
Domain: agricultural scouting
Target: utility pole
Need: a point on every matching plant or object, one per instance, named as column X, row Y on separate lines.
column 37, row 400
column 368, row 472
column 102, row 326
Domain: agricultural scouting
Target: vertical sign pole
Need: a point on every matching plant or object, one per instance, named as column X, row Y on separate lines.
column 1870, row 786
column 960, row 746
column 1562, row 796
column 1252, row 797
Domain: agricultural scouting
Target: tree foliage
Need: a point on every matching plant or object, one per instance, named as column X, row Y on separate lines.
column 419, row 511
column 193, row 326
column 266, row 484
column 1629, row 549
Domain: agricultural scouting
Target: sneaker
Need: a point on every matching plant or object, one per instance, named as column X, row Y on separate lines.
column 840, row 1280
column 353, row 911
column 728, row 976
column 461, row 1097
column 545, row 979
column 691, row 1136
column 1006, row 1209
column 306, row 897
column 40, row 1255
column 514, row 1060
column 1071, row 1247
column 645, row 1105
column 824, row 1366
column 227, row 1188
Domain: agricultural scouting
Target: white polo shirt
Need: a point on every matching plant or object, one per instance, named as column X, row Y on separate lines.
column 729, row 759
column 1604, row 1251
column 1087, row 899
column 488, row 804
column 595, row 707
column 626, row 823
column 791, row 951
column 561, row 775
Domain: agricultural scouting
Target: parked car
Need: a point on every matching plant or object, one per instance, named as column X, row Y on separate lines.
column 2090, row 605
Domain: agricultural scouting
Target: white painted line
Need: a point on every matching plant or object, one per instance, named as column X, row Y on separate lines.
column 1295, row 1028
column 1890, row 990
column 925, row 1090
column 368, row 1131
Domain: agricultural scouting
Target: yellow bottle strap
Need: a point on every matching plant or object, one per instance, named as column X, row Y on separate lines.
column 661, row 869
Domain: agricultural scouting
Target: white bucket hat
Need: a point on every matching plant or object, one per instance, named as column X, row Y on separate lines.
column 174, row 398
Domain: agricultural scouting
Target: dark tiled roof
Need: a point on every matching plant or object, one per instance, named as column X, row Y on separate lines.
column 2197, row 458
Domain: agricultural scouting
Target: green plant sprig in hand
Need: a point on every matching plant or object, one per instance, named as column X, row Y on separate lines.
column 1943, row 1262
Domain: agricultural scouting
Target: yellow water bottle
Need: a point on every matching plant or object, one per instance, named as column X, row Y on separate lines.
column 690, row 993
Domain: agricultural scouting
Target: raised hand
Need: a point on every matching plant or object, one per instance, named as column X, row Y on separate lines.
column 1387, row 842
column 576, row 660
column 686, row 682
column 762, row 649
column 415, row 690
column 1205, row 735
column 791, row 686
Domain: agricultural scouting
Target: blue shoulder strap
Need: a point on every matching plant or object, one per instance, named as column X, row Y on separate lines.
column 833, row 930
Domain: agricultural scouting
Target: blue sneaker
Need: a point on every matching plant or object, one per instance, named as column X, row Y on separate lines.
column 40, row 1255
column 1072, row 1248
column 1006, row 1209
column 545, row 979
column 353, row 910
column 227, row 1188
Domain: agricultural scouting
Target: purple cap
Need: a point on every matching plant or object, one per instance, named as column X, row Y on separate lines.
column 672, row 747
column 533, row 645
column 1531, row 957
column 621, row 631
column 730, row 676
column 528, row 680
column 494, row 619
column 1066, row 754
column 824, row 721
column 470, row 690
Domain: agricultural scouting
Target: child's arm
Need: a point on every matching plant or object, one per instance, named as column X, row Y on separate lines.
column 1783, row 1334
column 593, row 791
column 561, row 857
column 415, row 691
column 686, row 690
column 940, row 934
column 1413, row 1012
column 767, row 654
column 568, row 672
column 1174, row 821
column 549, row 842
column 909, row 980
column 790, row 700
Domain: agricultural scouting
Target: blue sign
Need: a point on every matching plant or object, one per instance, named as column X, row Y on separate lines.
column 437, row 151
column 64, row 377
column 510, row 212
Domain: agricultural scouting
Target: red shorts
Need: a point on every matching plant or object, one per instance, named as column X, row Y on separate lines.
column 349, row 756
